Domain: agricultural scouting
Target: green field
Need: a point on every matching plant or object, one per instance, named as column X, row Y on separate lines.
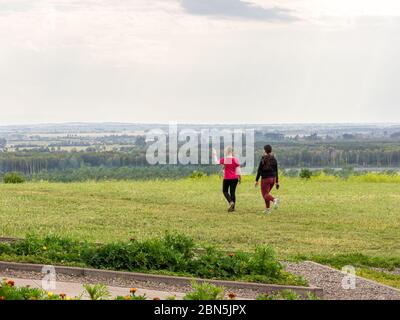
column 316, row 217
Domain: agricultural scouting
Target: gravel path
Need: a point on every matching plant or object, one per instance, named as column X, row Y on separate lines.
column 330, row 280
column 395, row 271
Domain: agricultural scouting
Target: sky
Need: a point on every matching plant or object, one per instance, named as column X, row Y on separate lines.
column 199, row 61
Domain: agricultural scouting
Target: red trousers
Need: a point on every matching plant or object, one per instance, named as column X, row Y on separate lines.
column 266, row 186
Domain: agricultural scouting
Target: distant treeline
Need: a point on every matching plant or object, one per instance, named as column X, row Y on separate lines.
column 337, row 154
column 290, row 155
column 297, row 157
column 31, row 163
column 124, row 173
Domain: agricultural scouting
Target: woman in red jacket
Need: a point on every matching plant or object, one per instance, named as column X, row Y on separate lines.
column 268, row 171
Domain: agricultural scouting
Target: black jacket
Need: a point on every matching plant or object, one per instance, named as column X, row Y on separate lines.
column 270, row 172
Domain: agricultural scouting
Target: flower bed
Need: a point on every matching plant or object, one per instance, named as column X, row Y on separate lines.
column 203, row 291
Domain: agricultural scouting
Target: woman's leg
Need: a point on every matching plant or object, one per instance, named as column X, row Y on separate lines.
column 225, row 190
column 233, row 186
column 266, row 187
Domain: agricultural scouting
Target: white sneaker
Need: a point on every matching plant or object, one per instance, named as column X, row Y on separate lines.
column 267, row 211
column 276, row 203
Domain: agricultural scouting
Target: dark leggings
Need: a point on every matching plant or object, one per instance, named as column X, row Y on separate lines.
column 267, row 185
column 229, row 189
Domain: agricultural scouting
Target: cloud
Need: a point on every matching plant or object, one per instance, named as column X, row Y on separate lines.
column 236, row 9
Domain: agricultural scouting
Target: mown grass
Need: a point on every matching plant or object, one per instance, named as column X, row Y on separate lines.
column 354, row 259
column 324, row 217
column 386, row 278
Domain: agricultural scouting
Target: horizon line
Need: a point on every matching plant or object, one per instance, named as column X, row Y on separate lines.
column 190, row 123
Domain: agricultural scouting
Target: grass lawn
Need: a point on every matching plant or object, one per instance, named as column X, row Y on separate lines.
column 389, row 279
column 316, row 217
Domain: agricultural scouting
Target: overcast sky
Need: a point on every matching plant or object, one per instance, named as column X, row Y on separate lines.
column 199, row 61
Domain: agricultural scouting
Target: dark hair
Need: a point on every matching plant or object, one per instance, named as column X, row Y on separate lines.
column 268, row 148
column 266, row 159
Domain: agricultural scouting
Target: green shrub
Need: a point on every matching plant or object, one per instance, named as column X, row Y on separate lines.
column 205, row 291
column 197, row 175
column 286, row 295
column 154, row 254
column 180, row 243
column 97, row 291
column 264, row 262
column 214, row 264
column 283, row 295
column 305, row 174
column 13, row 177
column 51, row 247
column 9, row 292
column 312, row 296
column 172, row 254
column 5, row 249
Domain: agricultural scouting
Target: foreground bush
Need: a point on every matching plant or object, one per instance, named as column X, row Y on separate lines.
column 173, row 254
column 286, row 295
column 13, row 177
column 205, row 291
column 8, row 291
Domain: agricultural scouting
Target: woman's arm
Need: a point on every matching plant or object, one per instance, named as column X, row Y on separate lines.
column 258, row 173
column 277, row 174
column 239, row 173
column 276, row 170
column 214, row 157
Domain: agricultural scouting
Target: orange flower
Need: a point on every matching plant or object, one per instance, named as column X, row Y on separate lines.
column 231, row 296
column 156, row 298
column 133, row 290
column 231, row 254
column 62, row 295
column 10, row 283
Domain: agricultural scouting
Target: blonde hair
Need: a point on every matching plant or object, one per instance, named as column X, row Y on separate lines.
column 228, row 151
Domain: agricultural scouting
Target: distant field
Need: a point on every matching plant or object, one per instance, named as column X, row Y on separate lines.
column 316, row 217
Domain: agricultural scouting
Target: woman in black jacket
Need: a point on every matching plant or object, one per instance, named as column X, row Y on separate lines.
column 268, row 171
